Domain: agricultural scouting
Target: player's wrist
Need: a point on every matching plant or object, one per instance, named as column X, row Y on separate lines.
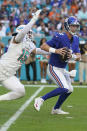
column 52, row 50
column 74, row 57
column 36, row 15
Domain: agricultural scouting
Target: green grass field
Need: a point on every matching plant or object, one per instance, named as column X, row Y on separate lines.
column 31, row 120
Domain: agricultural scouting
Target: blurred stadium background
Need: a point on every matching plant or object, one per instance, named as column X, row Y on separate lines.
column 16, row 12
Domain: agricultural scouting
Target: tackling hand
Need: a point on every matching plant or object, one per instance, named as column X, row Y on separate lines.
column 37, row 13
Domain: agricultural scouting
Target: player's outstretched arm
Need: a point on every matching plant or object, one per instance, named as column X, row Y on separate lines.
column 27, row 27
column 45, row 47
column 39, row 51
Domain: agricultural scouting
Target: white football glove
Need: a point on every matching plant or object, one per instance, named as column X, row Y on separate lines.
column 73, row 73
column 36, row 14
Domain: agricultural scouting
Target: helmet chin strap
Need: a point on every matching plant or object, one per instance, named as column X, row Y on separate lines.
column 72, row 33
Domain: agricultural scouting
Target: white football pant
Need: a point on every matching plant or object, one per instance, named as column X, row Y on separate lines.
column 17, row 89
column 60, row 77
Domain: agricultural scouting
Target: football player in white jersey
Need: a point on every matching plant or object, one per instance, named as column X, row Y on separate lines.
column 19, row 50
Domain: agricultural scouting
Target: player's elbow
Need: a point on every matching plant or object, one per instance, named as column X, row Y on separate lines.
column 19, row 37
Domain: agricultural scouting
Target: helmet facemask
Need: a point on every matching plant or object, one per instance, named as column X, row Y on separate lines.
column 76, row 31
column 29, row 35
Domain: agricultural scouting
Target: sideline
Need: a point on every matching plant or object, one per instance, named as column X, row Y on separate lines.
column 76, row 86
column 7, row 124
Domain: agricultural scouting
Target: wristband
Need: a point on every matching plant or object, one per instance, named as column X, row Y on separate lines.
column 52, row 50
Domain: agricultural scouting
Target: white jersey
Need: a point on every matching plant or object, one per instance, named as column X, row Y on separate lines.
column 16, row 55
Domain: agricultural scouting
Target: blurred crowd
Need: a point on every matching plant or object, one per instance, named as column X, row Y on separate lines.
column 16, row 12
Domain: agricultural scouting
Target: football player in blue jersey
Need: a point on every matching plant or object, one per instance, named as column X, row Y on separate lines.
column 56, row 67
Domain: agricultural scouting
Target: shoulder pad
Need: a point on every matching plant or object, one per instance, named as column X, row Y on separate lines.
column 76, row 36
column 58, row 34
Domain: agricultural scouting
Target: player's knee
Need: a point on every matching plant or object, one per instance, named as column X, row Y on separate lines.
column 66, row 87
column 71, row 89
column 22, row 91
column 65, row 90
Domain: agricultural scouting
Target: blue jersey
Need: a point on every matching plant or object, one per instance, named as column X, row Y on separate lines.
column 61, row 40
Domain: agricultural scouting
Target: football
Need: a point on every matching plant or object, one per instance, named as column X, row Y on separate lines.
column 64, row 58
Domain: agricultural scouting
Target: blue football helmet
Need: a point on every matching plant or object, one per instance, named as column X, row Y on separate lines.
column 72, row 20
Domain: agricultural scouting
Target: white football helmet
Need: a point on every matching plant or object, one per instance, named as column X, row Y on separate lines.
column 28, row 36
column 18, row 29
